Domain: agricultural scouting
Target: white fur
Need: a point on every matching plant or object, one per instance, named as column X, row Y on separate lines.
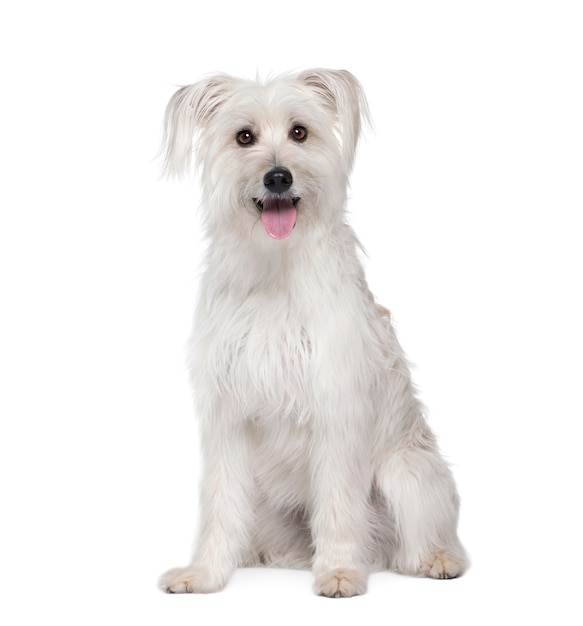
column 316, row 450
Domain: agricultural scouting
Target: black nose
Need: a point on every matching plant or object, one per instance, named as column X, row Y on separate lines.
column 278, row 180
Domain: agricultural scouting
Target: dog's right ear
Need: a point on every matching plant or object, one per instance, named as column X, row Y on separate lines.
column 190, row 109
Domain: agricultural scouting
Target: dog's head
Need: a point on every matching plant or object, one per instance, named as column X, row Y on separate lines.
column 276, row 153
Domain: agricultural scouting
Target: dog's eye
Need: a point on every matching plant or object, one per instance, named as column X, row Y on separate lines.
column 245, row 138
column 298, row 133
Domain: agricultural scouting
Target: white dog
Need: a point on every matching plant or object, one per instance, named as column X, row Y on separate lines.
column 316, row 450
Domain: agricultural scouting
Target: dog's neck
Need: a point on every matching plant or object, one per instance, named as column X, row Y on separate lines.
column 321, row 256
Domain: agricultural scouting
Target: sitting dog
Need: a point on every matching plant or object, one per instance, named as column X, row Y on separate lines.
column 316, row 450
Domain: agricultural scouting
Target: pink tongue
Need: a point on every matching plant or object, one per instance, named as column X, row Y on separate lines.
column 278, row 217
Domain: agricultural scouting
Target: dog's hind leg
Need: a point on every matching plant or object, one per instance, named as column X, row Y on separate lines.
column 281, row 538
column 423, row 501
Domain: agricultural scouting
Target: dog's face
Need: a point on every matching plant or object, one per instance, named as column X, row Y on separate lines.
column 274, row 157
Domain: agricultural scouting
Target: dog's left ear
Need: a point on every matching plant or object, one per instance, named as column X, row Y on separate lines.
column 343, row 96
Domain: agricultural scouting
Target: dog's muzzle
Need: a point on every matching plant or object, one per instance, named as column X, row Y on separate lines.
column 278, row 208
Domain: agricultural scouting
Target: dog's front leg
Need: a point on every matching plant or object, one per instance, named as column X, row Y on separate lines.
column 341, row 478
column 226, row 508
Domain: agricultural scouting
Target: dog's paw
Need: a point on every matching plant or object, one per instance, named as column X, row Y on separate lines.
column 340, row 583
column 190, row 580
column 443, row 564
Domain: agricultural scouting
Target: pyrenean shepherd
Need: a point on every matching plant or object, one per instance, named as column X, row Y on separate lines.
column 317, row 453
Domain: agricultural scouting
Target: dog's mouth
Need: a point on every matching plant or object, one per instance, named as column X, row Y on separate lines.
column 278, row 215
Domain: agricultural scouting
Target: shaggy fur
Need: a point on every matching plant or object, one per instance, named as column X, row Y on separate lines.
column 316, row 450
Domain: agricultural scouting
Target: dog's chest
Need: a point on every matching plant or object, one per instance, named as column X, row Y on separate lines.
column 271, row 353
column 261, row 349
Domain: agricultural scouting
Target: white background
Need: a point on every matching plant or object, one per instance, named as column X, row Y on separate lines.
column 467, row 196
